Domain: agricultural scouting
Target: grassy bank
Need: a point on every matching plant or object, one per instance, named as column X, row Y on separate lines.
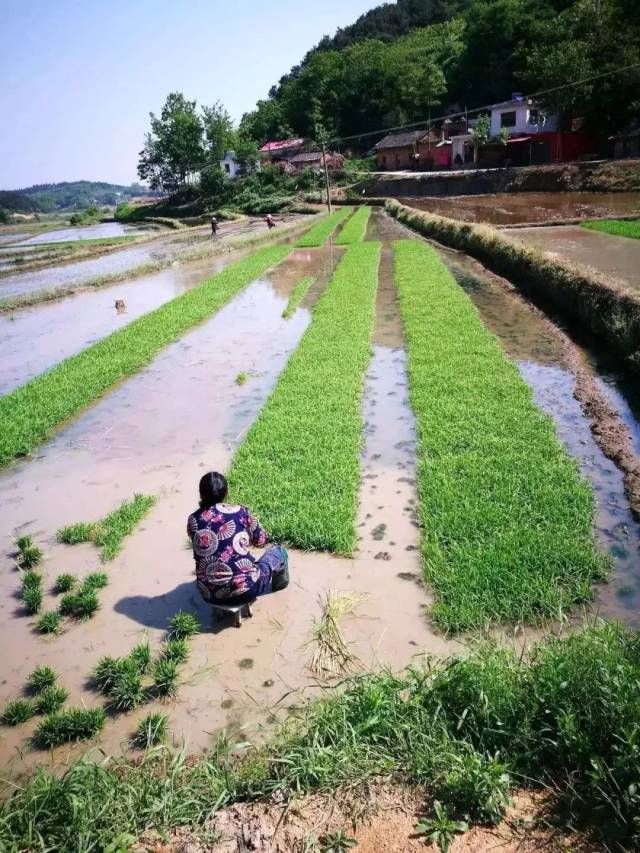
column 31, row 413
column 618, row 227
column 566, row 715
column 506, row 519
column 581, row 295
column 321, row 232
column 305, row 444
column 25, row 300
column 356, row 228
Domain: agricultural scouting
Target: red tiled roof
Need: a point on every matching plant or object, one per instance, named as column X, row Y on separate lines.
column 281, row 144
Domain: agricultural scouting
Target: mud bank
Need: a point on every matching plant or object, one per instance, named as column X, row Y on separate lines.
column 606, row 307
column 609, row 176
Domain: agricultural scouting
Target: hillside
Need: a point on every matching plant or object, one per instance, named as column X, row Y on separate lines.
column 47, row 198
column 399, row 62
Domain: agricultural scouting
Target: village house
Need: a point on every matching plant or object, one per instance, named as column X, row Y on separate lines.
column 417, row 149
column 280, row 150
column 313, row 160
column 232, row 168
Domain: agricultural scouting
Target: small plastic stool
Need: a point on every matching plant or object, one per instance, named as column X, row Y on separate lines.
column 237, row 610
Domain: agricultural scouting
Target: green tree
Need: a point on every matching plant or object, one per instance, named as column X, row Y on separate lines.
column 219, row 132
column 174, row 147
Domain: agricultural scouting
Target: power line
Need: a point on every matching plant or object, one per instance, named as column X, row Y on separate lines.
column 466, row 112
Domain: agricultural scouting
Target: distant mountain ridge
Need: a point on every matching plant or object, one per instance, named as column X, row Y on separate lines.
column 67, row 195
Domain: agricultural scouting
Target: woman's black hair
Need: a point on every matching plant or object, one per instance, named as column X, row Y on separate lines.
column 213, row 489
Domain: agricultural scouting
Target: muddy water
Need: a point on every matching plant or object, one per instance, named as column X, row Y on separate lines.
column 93, row 232
column 156, row 433
column 513, row 208
column 166, row 247
column 35, row 339
column 542, row 362
column 618, row 257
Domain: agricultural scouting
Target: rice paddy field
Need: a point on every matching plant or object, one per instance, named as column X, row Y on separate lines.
column 409, row 427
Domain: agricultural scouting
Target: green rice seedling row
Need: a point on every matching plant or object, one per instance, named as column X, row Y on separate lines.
column 31, row 413
column 617, row 227
column 356, row 228
column 109, row 533
column 506, row 518
column 297, row 295
column 321, row 231
column 307, row 439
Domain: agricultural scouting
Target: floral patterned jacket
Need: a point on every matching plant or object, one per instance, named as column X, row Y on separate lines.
column 221, row 536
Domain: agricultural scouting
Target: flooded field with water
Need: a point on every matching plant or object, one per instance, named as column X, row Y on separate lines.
column 516, row 208
column 184, row 414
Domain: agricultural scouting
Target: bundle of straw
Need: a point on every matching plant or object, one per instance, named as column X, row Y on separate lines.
column 331, row 655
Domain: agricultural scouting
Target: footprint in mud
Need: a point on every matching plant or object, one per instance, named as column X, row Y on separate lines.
column 411, row 548
column 408, row 576
column 410, row 480
column 378, row 532
column 226, row 704
column 382, row 555
column 246, row 663
column 268, row 683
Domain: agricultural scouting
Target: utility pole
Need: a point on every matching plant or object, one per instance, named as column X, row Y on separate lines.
column 326, row 176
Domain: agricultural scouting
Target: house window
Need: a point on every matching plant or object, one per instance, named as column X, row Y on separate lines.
column 508, row 119
column 227, row 168
column 537, row 117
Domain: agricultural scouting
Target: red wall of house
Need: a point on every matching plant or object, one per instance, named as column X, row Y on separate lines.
column 396, row 158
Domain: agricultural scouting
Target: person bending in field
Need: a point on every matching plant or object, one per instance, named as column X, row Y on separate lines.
column 221, row 534
column 214, row 226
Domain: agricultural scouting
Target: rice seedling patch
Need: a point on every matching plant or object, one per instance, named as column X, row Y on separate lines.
column 151, row 731
column 31, row 413
column 41, row 678
column 49, row 623
column 506, row 518
column 108, row 533
column 51, row 699
column 31, row 597
column 321, row 231
column 356, row 228
column 65, row 583
column 183, row 625
column 307, row 438
column 617, row 227
column 67, row 726
column 29, row 554
column 297, row 295
column 18, row 711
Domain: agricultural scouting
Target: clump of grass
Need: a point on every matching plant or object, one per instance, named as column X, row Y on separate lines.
column 297, row 295
column 617, row 227
column 241, row 378
column 140, row 656
column 65, row 583
column 151, row 731
column 106, row 672
column 29, row 555
column 32, row 412
column 80, row 605
column 165, row 677
column 183, row 625
column 305, row 450
column 109, row 533
column 49, row 623
column 356, row 228
column 506, row 518
column 95, row 581
column 41, row 678
column 127, row 691
column 322, row 230
column 71, row 725
column 176, row 650
column 18, row 711
column 32, row 599
column 331, row 655
column 51, row 699
column 31, row 580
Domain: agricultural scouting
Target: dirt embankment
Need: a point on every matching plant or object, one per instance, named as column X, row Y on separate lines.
column 608, row 176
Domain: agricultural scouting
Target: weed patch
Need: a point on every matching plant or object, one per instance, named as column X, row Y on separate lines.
column 321, row 231
column 306, row 440
column 297, row 295
column 31, row 413
column 506, row 518
column 356, row 228
column 108, row 533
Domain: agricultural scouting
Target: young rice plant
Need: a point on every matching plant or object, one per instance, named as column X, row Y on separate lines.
column 321, row 231
column 297, row 295
column 356, row 228
column 306, row 440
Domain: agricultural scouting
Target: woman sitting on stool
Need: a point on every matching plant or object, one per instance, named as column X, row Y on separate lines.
column 221, row 534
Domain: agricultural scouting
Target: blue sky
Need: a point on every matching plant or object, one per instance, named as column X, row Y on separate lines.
column 78, row 78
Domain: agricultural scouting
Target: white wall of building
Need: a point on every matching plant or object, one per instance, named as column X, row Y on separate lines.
column 520, row 117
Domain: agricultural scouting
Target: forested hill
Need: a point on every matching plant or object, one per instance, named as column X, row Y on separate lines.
column 399, row 61
column 67, row 195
